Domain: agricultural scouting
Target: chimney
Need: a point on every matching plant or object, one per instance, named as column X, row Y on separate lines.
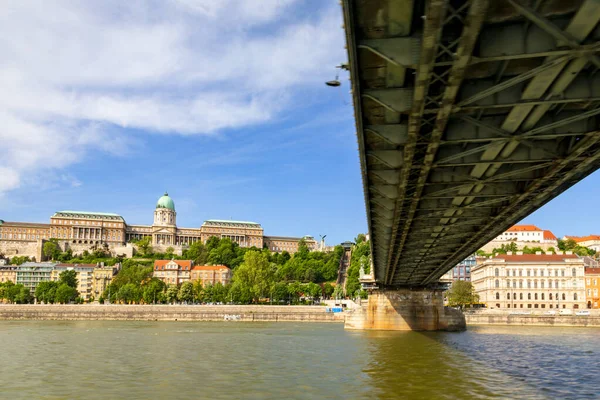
column 538, row 253
column 509, row 253
column 519, row 253
column 568, row 252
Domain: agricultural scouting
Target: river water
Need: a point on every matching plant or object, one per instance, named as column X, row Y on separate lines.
column 181, row 360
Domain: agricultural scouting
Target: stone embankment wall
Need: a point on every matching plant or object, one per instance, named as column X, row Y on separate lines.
column 169, row 313
column 532, row 320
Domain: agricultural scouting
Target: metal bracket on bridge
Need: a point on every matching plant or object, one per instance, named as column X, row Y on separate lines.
column 401, row 51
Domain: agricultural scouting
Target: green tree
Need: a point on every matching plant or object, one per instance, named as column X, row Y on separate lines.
column 51, row 250
column 302, row 249
column 169, row 252
column 461, row 294
column 22, row 294
column 361, row 237
column 172, row 293
column 280, row 291
column 144, row 245
column 186, row 292
column 256, row 275
column 69, row 278
column 152, row 290
column 328, row 290
column 18, row 260
column 315, row 291
column 197, row 252
column 46, row 291
column 65, row 294
column 129, row 294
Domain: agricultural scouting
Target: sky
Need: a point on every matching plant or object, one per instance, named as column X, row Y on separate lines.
column 106, row 105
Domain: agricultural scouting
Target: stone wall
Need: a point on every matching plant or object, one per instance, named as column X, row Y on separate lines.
column 495, row 244
column 21, row 248
column 169, row 313
column 533, row 320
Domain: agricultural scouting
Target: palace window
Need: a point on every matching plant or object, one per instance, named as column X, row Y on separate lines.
column 575, row 296
column 508, row 296
column 528, row 284
column 562, row 272
column 574, row 272
column 514, row 296
column 521, row 284
column 535, row 284
column 497, row 283
column 528, row 296
column 535, row 296
column 497, row 296
column 520, row 296
column 542, row 296
column 564, row 297
column 496, row 272
column 528, row 272
column 520, row 272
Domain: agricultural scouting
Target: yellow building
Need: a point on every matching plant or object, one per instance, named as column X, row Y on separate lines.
column 211, row 274
column 592, row 287
column 101, row 278
column 84, row 277
column 173, row 272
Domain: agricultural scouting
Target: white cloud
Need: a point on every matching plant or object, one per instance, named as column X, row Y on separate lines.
column 73, row 69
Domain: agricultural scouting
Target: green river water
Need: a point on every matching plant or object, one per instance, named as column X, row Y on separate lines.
column 233, row 360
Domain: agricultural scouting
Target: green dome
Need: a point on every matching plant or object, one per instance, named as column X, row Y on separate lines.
column 166, row 202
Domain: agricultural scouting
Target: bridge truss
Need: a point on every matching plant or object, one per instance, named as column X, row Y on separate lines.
column 470, row 115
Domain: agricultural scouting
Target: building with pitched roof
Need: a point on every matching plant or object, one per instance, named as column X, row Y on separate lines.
column 173, row 272
column 211, row 274
column 533, row 282
column 524, row 235
column 589, row 241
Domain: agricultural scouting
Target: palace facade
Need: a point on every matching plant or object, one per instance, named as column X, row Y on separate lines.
column 80, row 230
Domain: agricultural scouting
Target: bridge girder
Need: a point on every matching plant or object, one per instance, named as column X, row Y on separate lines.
column 470, row 115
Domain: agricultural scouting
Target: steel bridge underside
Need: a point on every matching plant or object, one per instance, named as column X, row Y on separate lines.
column 470, row 115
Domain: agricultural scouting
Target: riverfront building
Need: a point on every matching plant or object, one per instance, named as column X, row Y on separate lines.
column 8, row 273
column 211, row 274
column 84, row 275
column 81, row 230
column 592, row 287
column 173, row 272
column 530, row 281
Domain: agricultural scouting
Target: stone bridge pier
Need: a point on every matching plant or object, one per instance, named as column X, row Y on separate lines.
column 406, row 310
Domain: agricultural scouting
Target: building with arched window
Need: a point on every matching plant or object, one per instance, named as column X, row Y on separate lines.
column 555, row 281
column 83, row 230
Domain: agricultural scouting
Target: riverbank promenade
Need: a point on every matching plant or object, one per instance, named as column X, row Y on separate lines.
column 246, row 313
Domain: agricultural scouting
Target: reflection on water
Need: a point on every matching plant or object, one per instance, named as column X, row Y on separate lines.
column 110, row 359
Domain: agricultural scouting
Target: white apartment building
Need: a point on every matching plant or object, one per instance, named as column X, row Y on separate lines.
column 531, row 281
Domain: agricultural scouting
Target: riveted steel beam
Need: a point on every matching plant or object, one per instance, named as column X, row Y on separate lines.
column 400, row 51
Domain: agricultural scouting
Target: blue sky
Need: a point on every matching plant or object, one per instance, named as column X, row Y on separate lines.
column 105, row 105
column 222, row 103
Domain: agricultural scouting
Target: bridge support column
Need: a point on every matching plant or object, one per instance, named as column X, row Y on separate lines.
column 406, row 310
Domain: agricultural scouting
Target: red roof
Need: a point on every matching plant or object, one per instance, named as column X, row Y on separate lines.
column 580, row 239
column 535, row 257
column 592, row 271
column 549, row 235
column 523, row 228
column 209, row 267
column 183, row 264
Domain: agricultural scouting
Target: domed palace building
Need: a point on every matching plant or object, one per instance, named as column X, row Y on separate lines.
column 81, row 230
